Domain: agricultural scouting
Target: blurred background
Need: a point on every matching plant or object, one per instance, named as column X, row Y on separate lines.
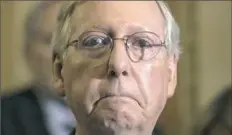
column 204, row 67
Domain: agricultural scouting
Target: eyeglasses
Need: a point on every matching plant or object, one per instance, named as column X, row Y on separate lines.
column 139, row 46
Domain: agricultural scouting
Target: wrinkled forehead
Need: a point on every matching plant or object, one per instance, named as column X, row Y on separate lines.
column 119, row 15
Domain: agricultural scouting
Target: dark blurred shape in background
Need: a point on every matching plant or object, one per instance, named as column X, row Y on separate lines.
column 220, row 115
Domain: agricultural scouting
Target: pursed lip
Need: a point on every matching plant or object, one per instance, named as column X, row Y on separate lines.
column 119, row 96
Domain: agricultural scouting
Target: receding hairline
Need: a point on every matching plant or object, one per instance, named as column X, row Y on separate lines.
column 81, row 3
column 78, row 10
column 64, row 32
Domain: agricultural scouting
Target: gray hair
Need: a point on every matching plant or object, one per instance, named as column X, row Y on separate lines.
column 63, row 31
column 32, row 19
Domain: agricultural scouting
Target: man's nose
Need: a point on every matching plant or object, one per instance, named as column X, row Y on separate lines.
column 118, row 62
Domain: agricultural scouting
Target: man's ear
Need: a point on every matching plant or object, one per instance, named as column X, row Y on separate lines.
column 173, row 60
column 58, row 82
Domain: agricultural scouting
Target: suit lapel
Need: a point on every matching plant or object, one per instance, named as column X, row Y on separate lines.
column 30, row 115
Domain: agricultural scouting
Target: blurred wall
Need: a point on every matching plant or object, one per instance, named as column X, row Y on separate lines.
column 214, row 49
column 205, row 65
column 6, row 68
column 14, row 72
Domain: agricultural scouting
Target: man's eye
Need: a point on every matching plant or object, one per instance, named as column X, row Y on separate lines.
column 95, row 42
column 142, row 43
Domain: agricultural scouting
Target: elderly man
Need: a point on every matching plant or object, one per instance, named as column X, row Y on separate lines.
column 36, row 109
column 116, row 62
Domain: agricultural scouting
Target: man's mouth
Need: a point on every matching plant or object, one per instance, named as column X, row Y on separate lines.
column 118, row 97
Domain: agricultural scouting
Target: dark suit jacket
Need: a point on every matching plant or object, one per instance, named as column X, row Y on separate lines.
column 22, row 115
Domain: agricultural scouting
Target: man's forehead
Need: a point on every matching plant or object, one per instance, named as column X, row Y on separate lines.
column 120, row 7
column 96, row 12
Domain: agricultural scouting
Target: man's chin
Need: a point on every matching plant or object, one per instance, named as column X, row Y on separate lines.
column 117, row 114
column 107, row 123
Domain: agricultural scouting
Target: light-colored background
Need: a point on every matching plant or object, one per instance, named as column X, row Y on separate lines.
column 204, row 68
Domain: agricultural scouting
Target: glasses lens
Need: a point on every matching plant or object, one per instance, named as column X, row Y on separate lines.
column 143, row 46
column 94, row 44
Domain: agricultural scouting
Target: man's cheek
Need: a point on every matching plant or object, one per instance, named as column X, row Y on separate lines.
column 76, row 92
column 77, row 78
column 158, row 83
column 97, row 70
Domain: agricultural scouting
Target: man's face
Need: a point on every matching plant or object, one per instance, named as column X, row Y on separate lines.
column 110, row 93
column 39, row 50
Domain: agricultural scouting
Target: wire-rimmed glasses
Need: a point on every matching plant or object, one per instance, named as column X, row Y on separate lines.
column 143, row 45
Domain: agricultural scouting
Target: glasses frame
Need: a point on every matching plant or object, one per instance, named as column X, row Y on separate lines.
column 125, row 40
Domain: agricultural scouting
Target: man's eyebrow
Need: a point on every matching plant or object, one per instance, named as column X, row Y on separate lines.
column 129, row 28
column 136, row 28
column 99, row 27
column 105, row 29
